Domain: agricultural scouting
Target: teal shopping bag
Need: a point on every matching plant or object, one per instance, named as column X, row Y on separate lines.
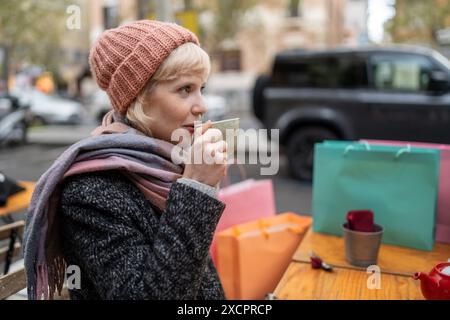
column 400, row 185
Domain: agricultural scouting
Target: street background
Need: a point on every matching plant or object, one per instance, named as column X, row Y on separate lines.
column 45, row 45
column 46, row 143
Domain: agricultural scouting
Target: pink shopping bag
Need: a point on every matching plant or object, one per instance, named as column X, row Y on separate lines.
column 443, row 206
column 245, row 201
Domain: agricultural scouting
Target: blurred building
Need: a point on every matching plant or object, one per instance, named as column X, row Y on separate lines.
column 95, row 17
column 276, row 25
column 100, row 15
column 266, row 28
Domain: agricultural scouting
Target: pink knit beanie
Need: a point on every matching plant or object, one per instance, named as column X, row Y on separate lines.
column 124, row 59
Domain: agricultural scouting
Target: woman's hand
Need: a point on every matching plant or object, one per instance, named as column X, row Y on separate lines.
column 208, row 156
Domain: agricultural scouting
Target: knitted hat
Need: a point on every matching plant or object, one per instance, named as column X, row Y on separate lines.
column 124, row 59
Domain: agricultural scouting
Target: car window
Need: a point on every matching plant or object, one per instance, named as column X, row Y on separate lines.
column 352, row 72
column 322, row 72
column 401, row 72
column 306, row 73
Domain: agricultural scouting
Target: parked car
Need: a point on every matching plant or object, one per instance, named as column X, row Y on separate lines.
column 51, row 109
column 14, row 120
column 99, row 105
column 399, row 93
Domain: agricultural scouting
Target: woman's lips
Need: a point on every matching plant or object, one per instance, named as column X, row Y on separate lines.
column 189, row 128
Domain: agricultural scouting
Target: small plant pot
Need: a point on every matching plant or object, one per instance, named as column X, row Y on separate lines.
column 361, row 248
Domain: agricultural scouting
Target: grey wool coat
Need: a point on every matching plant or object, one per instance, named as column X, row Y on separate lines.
column 126, row 249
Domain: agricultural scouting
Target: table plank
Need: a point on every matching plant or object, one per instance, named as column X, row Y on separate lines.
column 12, row 283
column 20, row 200
column 301, row 282
column 391, row 259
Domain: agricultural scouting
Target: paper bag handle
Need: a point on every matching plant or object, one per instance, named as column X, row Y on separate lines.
column 352, row 147
column 403, row 150
column 407, row 149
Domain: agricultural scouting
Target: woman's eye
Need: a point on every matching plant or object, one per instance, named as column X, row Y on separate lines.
column 202, row 88
column 186, row 89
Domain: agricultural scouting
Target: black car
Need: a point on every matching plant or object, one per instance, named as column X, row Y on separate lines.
column 395, row 93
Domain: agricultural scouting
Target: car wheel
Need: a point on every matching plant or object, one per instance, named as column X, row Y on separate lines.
column 258, row 99
column 300, row 150
column 38, row 121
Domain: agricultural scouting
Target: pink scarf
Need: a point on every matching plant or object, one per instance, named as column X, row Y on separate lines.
column 146, row 161
column 153, row 189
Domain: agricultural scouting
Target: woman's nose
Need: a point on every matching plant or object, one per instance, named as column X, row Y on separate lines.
column 199, row 108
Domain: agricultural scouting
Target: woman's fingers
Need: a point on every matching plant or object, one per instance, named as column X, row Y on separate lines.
column 220, row 158
column 211, row 148
column 201, row 129
column 212, row 135
column 215, row 152
column 206, row 126
column 221, row 146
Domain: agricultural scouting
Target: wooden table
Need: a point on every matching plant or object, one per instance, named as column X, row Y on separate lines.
column 18, row 201
column 346, row 282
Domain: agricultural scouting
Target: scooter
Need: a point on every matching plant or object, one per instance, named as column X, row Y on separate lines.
column 14, row 120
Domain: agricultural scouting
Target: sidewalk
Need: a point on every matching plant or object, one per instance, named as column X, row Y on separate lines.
column 58, row 134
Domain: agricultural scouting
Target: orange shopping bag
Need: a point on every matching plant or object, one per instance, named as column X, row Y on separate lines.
column 252, row 257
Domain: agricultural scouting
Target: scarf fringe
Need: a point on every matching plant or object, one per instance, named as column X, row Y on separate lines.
column 50, row 278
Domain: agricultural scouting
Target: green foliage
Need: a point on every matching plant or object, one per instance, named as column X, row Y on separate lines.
column 228, row 15
column 32, row 29
column 416, row 21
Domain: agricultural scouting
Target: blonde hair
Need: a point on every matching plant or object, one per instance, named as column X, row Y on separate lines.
column 186, row 59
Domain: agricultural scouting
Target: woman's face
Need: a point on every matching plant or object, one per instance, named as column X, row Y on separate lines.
column 175, row 104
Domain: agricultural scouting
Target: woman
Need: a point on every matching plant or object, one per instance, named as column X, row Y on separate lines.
column 119, row 205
